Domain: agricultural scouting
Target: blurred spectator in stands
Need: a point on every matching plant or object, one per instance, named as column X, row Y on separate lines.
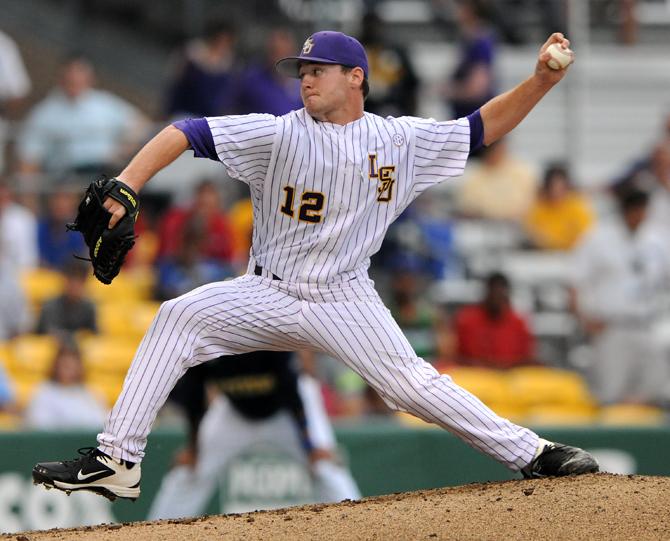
column 189, row 266
column 64, row 401
column 72, row 310
column 649, row 172
column 18, row 254
column 14, row 87
column 15, row 316
column 620, row 270
column 422, row 240
column 500, row 187
column 203, row 82
column 18, row 233
column 205, row 214
column 492, row 333
column 57, row 245
column 560, row 215
column 472, row 83
column 77, row 128
column 260, row 88
column 393, row 81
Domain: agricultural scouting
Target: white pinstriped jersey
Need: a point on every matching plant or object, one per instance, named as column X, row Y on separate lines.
column 324, row 194
column 323, row 197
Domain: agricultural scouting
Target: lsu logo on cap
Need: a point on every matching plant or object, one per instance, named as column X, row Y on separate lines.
column 308, row 46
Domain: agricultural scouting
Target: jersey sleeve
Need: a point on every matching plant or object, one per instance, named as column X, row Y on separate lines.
column 244, row 143
column 440, row 151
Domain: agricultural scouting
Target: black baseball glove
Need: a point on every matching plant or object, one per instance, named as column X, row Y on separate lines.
column 107, row 247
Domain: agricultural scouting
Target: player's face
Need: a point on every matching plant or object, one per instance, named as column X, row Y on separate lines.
column 324, row 89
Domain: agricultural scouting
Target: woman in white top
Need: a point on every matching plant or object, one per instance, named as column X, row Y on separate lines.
column 63, row 401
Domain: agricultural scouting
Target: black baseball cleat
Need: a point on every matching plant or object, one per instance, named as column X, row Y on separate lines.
column 94, row 471
column 557, row 460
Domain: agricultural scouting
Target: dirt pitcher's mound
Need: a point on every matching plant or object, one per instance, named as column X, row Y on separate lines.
column 600, row 506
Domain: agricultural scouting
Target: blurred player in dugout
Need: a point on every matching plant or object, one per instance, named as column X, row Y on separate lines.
column 259, row 398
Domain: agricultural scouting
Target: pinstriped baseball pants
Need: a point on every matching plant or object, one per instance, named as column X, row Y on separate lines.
column 349, row 323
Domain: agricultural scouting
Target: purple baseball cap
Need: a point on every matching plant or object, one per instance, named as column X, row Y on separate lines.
column 326, row 48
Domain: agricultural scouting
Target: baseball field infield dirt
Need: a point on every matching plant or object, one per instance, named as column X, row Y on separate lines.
column 600, row 506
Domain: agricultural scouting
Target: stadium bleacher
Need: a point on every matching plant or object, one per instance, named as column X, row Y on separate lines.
column 620, row 92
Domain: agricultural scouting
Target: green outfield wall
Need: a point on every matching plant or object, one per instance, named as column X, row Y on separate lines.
column 384, row 458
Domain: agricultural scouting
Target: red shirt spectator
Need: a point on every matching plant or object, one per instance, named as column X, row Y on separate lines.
column 217, row 239
column 492, row 334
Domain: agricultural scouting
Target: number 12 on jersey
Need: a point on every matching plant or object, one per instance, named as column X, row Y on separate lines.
column 311, row 205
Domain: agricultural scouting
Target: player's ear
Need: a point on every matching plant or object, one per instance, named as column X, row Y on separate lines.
column 356, row 77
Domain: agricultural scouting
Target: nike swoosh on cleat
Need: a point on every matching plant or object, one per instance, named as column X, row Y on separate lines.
column 81, row 476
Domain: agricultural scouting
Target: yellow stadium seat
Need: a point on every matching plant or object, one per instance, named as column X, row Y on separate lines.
column 107, row 388
column 241, row 216
column 145, row 250
column 560, row 415
column 126, row 319
column 631, row 414
column 490, row 386
column 24, row 388
column 31, row 354
column 144, row 278
column 107, row 354
column 9, row 421
column 508, row 412
column 512, row 412
column 410, row 420
column 41, row 284
column 544, row 386
column 5, row 355
column 112, row 319
column 143, row 314
column 123, row 289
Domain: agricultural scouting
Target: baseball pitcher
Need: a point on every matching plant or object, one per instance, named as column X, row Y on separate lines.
column 326, row 182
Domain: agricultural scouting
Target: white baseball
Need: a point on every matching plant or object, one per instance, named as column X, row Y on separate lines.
column 560, row 57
